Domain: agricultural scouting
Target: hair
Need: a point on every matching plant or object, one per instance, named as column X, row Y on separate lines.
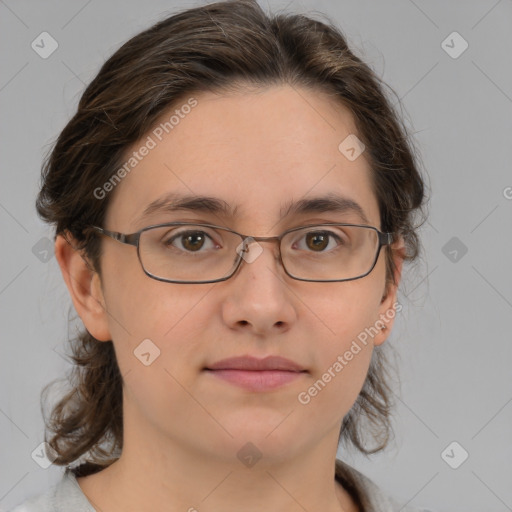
column 220, row 47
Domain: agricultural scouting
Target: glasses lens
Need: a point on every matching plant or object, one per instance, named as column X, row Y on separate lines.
column 194, row 253
column 328, row 253
column 188, row 252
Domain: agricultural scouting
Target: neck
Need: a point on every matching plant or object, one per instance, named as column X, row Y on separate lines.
column 146, row 477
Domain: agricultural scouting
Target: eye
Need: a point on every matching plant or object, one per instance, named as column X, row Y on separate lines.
column 190, row 241
column 320, row 241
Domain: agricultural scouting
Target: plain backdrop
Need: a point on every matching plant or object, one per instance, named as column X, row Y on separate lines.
column 453, row 335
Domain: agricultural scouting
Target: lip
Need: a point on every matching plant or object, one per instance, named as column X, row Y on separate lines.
column 256, row 374
column 253, row 364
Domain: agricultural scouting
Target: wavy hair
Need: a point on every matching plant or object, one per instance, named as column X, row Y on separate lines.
column 218, row 47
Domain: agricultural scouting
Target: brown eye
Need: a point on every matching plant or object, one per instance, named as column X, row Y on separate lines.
column 189, row 241
column 193, row 241
column 317, row 240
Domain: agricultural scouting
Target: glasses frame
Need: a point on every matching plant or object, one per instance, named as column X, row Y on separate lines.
column 134, row 238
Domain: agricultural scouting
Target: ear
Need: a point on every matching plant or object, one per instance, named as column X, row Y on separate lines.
column 388, row 307
column 84, row 287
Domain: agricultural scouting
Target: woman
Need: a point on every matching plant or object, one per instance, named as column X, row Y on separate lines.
column 233, row 202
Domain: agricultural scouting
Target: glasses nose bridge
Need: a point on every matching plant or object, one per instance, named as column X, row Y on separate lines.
column 272, row 239
column 248, row 240
column 263, row 238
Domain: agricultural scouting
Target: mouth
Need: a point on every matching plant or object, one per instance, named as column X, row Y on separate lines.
column 256, row 374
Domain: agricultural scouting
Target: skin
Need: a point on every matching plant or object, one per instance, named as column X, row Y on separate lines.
column 183, row 428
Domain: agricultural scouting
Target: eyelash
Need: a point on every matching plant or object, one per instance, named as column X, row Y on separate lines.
column 181, row 234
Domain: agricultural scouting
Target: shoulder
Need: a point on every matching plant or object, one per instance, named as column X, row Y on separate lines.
column 370, row 496
column 64, row 496
column 44, row 502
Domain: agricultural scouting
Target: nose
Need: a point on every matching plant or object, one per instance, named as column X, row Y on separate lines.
column 258, row 297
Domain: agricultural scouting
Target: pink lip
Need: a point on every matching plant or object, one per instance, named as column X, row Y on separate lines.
column 257, row 374
column 253, row 363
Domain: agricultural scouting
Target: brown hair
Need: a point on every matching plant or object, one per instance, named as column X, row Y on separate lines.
column 217, row 47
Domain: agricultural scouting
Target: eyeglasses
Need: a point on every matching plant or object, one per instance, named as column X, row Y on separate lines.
column 182, row 252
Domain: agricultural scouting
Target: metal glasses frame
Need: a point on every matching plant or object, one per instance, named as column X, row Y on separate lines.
column 134, row 238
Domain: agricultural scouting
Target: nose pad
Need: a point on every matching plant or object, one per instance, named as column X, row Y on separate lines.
column 249, row 249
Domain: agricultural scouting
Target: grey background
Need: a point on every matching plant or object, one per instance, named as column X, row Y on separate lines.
column 453, row 335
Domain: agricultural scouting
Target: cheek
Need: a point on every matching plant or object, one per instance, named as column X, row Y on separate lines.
column 340, row 372
column 157, row 334
column 170, row 316
column 140, row 307
column 342, row 313
column 342, row 328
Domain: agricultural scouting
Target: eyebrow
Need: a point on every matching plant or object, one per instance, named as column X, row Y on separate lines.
column 328, row 203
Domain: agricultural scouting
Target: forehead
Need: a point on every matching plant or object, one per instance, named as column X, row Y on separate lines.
column 258, row 151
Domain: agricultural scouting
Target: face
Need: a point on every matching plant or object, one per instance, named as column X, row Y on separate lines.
column 258, row 152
